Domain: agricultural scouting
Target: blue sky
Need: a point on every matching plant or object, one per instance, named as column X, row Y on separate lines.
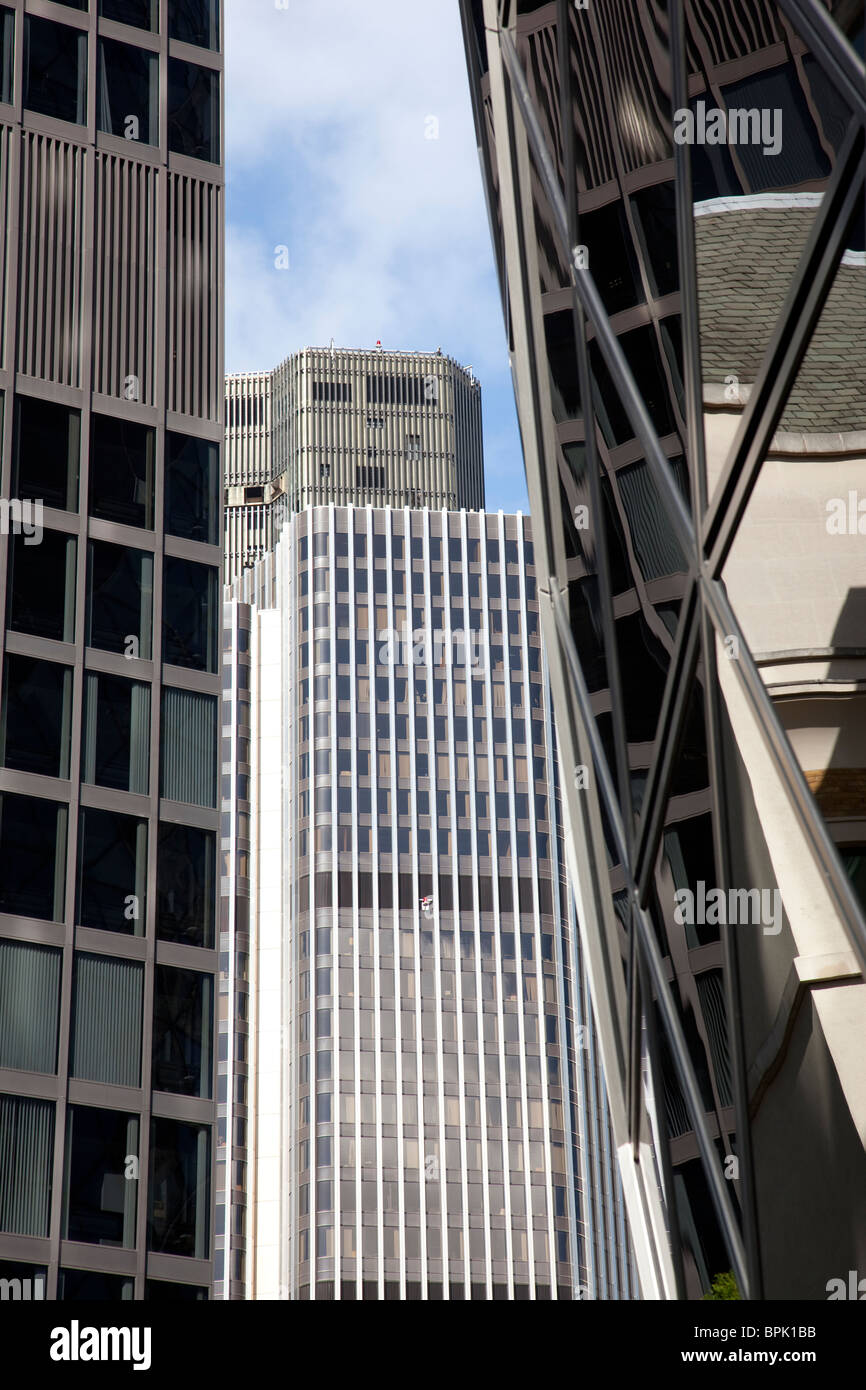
column 329, row 108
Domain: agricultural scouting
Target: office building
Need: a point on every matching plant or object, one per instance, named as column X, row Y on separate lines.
column 676, row 204
column 111, row 387
column 408, row 1064
column 353, row 427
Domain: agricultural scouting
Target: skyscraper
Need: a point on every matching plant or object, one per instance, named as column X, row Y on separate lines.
column 398, row 429
column 409, row 1069
column 111, row 393
column 676, row 198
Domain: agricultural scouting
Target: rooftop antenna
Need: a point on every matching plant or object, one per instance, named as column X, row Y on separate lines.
column 332, row 349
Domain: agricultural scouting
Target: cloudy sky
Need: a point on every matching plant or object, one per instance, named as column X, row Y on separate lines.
column 331, row 106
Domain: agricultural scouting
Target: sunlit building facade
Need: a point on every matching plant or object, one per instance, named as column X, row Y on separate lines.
column 425, row 1112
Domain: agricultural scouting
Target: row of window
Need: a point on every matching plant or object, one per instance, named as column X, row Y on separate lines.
column 189, row 21
column 107, row 1012
column 111, row 883
column 380, row 548
column 127, row 102
column 101, row 1177
column 123, row 468
column 19, row 1282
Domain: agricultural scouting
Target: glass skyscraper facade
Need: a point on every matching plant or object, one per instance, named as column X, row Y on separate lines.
column 409, row 1072
column 676, row 205
column 111, row 388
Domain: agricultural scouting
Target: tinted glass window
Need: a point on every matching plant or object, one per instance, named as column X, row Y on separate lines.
column 55, row 69
column 182, row 1032
column 120, row 600
column 42, row 586
column 194, row 21
column 192, row 488
column 179, row 1190
column 37, row 712
column 186, row 885
column 115, row 738
column 193, row 110
column 46, row 452
column 112, row 872
column 121, row 471
column 32, row 857
column 128, row 92
column 190, row 614
column 99, row 1200
column 143, row 14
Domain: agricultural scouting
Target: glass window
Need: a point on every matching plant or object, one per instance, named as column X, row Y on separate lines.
column 143, row 14
column 193, row 110
column 122, row 471
column 36, row 716
column 194, row 21
column 26, row 1143
column 112, row 872
column 182, row 1032
column 119, row 600
column 186, row 885
column 189, row 747
column 42, row 586
column 55, row 69
column 45, row 452
column 32, row 857
column 192, row 488
column 7, row 53
column 128, row 93
column 89, row 1286
column 29, row 1006
column 100, row 1188
column 179, row 1191
column 106, row 1020
column 164, row 1291
column 190, row 614
column 116, row 733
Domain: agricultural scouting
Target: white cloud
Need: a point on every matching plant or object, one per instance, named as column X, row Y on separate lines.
column 328, row 103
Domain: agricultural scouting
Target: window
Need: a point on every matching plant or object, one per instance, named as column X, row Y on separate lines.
column 122, row 471
column 182, row 1032
column 116, row 733
column 37, row 709
column 32, row 857
column 112, row 872
column 26, row 1142
column 89, row 1286
column 99, row 1195
column 45, row 452
column 191, row 488
column 106, row 1020
column 189, row 747
column 55, row 69
column 179, row 1190
column 335, row 391
column 164, row 1291
column 194, row 21
column 42, row 586
column 186, row 885
column 128, row 92
column 190, row 614
column 119, row 600
column 193, row 110
column 7, row 53
column 29, row 1006
column 142, row 14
